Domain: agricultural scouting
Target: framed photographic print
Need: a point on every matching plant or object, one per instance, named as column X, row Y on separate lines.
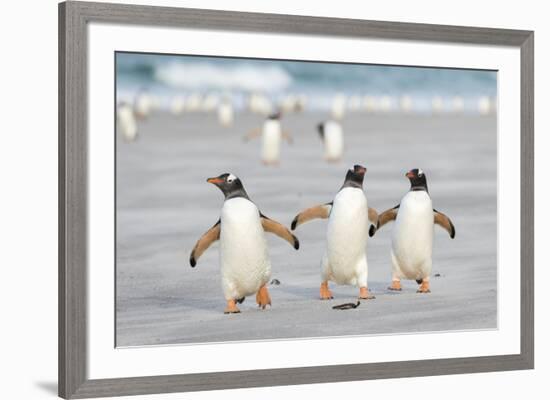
column 256, row 200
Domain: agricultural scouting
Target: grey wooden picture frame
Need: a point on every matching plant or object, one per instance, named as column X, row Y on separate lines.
column 73, row 172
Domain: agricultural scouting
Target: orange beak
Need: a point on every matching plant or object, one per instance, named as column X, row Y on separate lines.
column 215, row 181
column 409, row 175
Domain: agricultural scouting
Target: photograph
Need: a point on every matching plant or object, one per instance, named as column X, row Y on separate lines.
column 265, row 199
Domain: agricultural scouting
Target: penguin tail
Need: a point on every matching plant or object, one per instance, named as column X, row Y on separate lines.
column 419, row 281
column 240, row 301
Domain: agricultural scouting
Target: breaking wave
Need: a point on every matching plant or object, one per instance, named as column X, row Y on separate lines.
column 209, row 76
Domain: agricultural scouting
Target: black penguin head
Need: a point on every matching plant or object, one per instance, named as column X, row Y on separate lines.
column 417, row 177
column 355, row 176
column 321, row 129
column 230, row 185
column 275, row 115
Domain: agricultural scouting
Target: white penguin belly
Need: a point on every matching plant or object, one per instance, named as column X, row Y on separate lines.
column 334, row 141
column 244, row 259
column 271, row 141
column 412, row 236
column 347, row 238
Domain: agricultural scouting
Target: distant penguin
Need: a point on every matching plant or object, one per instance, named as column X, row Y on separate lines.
column 177, row 105
column 288, row 103
column 412, row 235
column 301, row 102
column 272, row 135
column 193, row 102
column 354, row 103
column 225, row 113
column 127, row 122
column 385, row 103
column 345, row 259
column 338, row 107
column 458, row 104
column 332, row 136
column 245, row 264
column 370, row 104
column 484, row 105
column 143, row 105
column 437, row 105
column 156, row 103
column 259, row 104
column 212, row 102
column 406, row 103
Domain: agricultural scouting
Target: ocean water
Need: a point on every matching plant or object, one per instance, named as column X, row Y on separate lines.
column 167, row 76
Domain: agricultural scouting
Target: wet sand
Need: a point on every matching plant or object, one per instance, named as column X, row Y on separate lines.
column 164, row 205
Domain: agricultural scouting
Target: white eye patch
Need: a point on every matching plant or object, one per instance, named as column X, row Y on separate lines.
column 420, row 172
column 231, row 178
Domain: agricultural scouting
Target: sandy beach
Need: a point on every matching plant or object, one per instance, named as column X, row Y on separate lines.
column 164, row 204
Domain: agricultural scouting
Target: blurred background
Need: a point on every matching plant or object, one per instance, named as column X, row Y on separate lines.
column 191, row 84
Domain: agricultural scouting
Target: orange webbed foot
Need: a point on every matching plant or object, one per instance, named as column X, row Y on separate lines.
column 424, row 287
column 395, row 285
column 231, row 308
column 364, row 294
column 262, row 298
column 325, row 292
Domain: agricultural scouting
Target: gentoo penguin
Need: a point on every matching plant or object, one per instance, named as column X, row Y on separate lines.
column 370, row 103
column 143, row 105
column 354, row 103
column 438, row 105
column 385, row 103
column 345, row 258
column 293, row 103
column 484, row 105
column 193, row 102
column 272, row 135
column 301, row 103
column 225, row 113
column 458, row 104
column 338, row 108
column 412, row 236
column 211, row 102
column 177, row 105
column 259, row 104
column 406, row 103
column 288, row 103
column 245, row 265
column 333, row 139
column 127, row 122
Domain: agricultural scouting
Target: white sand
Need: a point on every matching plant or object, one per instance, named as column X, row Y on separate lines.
column 164, row 205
